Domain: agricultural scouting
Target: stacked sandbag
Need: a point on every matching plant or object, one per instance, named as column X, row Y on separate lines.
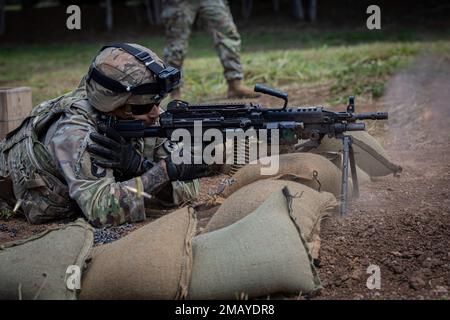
column 309, row 206
column 35, row 268
column 370, row 156
column 263, row 253
column 153, row 262
column 310, row 169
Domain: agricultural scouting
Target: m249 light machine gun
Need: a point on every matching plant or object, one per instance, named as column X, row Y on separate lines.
column 293, row 123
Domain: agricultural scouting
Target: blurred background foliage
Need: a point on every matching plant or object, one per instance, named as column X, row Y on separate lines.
column 322, row 61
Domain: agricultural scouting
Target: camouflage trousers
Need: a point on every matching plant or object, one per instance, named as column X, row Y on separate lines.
column 178, row 17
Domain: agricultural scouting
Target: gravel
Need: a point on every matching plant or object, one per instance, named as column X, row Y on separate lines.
column 107, row 235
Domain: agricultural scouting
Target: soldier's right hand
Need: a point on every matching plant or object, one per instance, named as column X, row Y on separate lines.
column 117, row 153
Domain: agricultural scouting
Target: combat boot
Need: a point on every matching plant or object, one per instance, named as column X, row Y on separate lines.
column 238, row 91
column 175, row 94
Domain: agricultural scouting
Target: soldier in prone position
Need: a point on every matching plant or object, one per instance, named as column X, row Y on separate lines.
column 60, row 163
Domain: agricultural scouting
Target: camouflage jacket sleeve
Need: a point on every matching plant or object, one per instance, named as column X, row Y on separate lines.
column 103, row 200
column 177, row 192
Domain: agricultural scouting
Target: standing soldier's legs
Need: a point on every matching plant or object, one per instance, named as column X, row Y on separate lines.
column 178, row 17
column 226, row 36
column 228, row 44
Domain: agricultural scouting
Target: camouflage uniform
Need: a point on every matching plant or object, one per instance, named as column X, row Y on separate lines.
column 54, row 176
column 179, row 192
column 178, row 17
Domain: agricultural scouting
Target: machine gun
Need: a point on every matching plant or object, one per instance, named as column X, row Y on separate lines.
column 311, row 124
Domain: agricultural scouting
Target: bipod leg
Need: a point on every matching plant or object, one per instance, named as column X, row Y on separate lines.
column 353, row 169
column 346, row 141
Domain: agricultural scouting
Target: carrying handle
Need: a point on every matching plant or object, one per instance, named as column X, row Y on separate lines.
column 272, row 92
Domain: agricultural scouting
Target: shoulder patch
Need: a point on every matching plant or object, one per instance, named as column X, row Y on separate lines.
column 170, row 146
column 97, row 171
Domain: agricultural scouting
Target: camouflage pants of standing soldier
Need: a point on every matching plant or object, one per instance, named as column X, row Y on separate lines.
column 179, row 16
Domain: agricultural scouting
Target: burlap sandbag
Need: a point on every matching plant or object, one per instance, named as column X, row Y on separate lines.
column 153, row 262
column 35, row 268
column 308, row 205
column 261, row 254
column 370, row 156
column 312, row 170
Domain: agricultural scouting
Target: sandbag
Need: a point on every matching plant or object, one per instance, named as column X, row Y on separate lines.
column 370, row 156
column 261, row 254
column 312, row 170
column 35, row 268
column 153, row 262
column 308, row 205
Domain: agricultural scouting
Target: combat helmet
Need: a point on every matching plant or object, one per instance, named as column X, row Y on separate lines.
column 128, row 74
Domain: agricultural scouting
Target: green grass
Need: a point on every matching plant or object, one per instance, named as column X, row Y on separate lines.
column 348, row 62
column 5, row 214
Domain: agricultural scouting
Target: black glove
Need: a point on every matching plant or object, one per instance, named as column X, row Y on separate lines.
column 184, row 172
column 119, row 154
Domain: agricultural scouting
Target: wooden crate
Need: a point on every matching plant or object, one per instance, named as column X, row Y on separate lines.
column 15, row 105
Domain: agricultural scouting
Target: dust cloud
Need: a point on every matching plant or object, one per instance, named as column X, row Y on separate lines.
column 418, row 101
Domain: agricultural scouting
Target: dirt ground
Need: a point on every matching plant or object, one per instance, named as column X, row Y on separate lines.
column 401, row 224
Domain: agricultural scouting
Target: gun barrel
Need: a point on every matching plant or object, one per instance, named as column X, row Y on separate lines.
column 372, row 116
